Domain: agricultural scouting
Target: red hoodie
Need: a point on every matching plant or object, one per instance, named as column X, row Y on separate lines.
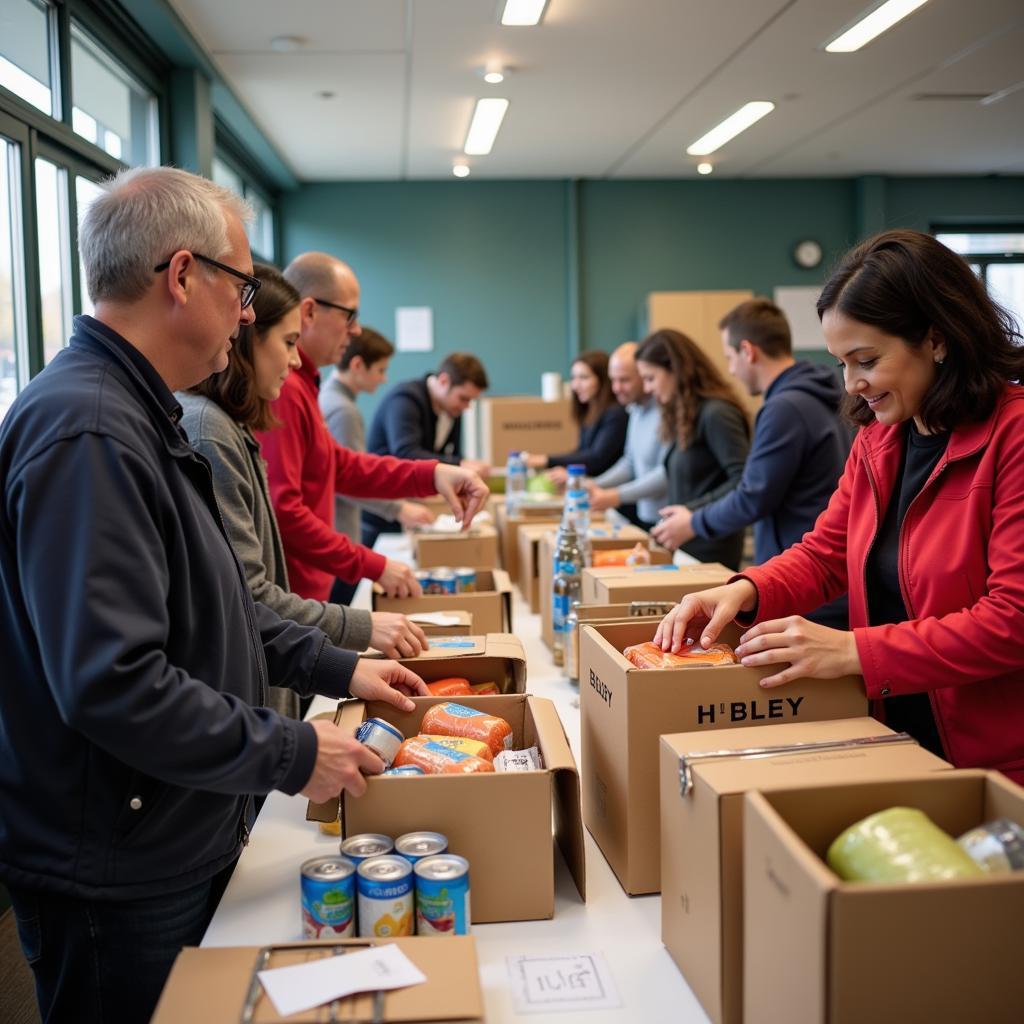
column 961, row 572
column 305, row 468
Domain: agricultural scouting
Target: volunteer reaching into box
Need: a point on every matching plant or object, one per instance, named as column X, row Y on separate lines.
column 926, row 529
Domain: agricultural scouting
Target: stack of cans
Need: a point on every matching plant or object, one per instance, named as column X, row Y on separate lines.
column 444, row 580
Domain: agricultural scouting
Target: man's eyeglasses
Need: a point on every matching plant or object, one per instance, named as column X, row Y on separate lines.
column 351, row 314
column 249, row 289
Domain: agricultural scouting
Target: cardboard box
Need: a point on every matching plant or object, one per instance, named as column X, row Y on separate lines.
column 500, row 821
column 211, row 985
column 457, row 623
column 623, row 711
column 668, row 582
column 528, row 538
column 525, row 423
column 819, row 949
column 497, row 657
column 703, row 779
column 477, row 548
column 632, row 611
column 490, row 605
column 549, row 512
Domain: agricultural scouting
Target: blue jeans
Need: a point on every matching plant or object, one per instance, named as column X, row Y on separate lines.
column 101, row 962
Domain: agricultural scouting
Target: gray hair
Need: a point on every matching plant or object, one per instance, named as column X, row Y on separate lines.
column 141, row 218
column 316, row 273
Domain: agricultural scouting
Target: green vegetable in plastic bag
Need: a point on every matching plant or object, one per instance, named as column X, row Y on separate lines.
column 901, row 844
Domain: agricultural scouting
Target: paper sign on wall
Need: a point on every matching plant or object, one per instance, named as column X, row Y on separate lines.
column 800, row 306
column 414, row 328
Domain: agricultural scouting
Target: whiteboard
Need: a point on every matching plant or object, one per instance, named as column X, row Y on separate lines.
column 799, row 306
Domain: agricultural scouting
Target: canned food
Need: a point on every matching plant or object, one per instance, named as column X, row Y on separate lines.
column 381, row 737
column 465, row 579
column 995, row 846
column 385, row 887
column 442, row 581
column 328, row 898
column 406, row 769
column 364, row 846
column 414, row 846
column 442, row 895
column 422, row 577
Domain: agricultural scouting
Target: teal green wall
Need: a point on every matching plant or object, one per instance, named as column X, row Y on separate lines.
column 523, row 272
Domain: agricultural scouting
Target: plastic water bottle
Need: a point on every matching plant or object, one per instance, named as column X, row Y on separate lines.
column 577, row 507
column 565, row 588
column 515, row 482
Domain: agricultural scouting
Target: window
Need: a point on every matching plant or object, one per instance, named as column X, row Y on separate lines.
column 111, row 109
column 54, row 256
column 261, row 230
column 997, row 257
column 13, row 349
column 86, row 191
column 25, row 53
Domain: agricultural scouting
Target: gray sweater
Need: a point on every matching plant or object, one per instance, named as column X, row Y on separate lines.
column 240, row 482
column 345, row 422
column 640, row 474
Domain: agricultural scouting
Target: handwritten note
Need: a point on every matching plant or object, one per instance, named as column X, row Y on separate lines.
column 546, row 984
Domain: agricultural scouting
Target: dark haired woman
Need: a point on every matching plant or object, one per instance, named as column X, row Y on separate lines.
column 703, row 421
column 220, row 416
column 601, row 420
column 926, row 528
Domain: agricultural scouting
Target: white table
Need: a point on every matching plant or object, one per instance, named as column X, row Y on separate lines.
column 261, row 904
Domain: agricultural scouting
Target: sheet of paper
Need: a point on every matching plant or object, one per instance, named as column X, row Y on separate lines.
column 569, row 983
column 447, row 523
column 434, row 618
column 414, row 328
column 303, row 986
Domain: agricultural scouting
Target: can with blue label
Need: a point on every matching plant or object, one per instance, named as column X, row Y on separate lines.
column 442, row 581
column 385, row 886
column 442, row 895
column 382, row 738
column 465, row 579
column 406, row 769
column 364, row 846
column 414, row 846
column 328, row 898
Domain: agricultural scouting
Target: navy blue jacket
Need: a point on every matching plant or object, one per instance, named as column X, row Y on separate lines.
column 405, row 423
column 134, row 661
column 798, row 453
column 601, row 444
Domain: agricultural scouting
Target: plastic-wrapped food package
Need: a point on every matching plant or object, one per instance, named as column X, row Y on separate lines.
column 650, row 655
column 899, row 844
column 451, row 719
column 483, row 689
column 436, row 759
column 475, row 748
column 453, row 687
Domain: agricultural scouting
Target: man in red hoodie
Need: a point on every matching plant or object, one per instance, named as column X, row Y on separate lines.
column 306, row 467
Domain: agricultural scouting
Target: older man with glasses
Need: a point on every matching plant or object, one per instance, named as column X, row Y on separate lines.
column 135, row 662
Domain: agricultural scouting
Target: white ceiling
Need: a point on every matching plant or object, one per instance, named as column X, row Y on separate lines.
column 620, row 88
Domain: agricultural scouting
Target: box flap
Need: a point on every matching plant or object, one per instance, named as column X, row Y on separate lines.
column 347, row 715
column 449, row 647
column 210, row 985
column 558, row 759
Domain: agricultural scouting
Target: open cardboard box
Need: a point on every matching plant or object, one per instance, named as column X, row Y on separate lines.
column 623, row 711
column 462, row 624
column 626, row 611
column 703, row 778
column 490, row 604
column 500, row 821
column 476, row 548
column 659, row 581
column 818, row 949
column 210, row 985
column 497, row 658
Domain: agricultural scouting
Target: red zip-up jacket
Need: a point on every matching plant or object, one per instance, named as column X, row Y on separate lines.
column 961, row 572
column 306, row 467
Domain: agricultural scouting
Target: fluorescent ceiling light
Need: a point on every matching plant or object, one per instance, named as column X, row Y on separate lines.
column 748, row 114
column 874, row 24
column 523, row 12
column 484, row 126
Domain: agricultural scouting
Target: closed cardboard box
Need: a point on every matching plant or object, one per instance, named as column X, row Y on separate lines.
column 490, row 604
column 495, row 658
column 500, row 821
column 476, row 548
column 703, row 779
column 623, row 711
column 818, row 949
column 213, row 985
column 525, row 423
column 650, row 582
column 528, row 514
column 454, row 622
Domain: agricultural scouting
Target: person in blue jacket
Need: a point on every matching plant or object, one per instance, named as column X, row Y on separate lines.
column 799, row 449
column 135, row 663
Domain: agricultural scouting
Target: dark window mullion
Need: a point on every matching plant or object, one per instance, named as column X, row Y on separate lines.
column 33, row 287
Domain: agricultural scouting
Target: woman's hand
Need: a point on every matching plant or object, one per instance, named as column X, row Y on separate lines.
column 535, row 461
column 704, row 615
column 412, row 514
column 807, row 649
column 558, row 476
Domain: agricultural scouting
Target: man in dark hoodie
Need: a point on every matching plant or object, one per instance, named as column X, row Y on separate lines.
column 798, row 452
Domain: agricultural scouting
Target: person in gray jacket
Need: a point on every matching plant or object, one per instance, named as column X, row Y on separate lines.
column 362, row 369
column 220, row 415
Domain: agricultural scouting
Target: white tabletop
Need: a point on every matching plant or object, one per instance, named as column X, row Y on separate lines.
column 261, row 904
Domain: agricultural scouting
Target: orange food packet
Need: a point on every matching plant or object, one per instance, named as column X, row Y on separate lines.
column 452, row 687
column 451, row 719
column 484, row 689
column 435, row 759
column 649, row 655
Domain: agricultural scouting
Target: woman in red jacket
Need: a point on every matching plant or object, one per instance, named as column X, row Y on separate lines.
column 926, row 529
